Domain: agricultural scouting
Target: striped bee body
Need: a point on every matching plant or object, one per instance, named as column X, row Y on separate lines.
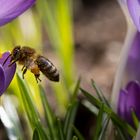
column 47, row 68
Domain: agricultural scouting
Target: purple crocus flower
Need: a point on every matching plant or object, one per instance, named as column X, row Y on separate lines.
column 129, row 101
column 130, row 96
column 6, row 72
column 10, row 9
column 134, row 10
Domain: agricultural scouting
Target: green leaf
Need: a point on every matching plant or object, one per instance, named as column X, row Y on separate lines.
column 35, row 135
column 30, row 109
column 49, row 116
column 121, row 134
column 99, row 93
column 104, row 128
column 71, row 112
column 75, row 93
column 99, row 123
column 78, row 134
column 60, row 130
column 135, row 119
column 114, row 117
column 69, row 120
column 27, row 102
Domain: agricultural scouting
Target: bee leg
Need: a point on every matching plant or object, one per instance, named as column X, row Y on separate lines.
column 37, row 77
column 23, row 67
column 23, row 73
column 12, row 63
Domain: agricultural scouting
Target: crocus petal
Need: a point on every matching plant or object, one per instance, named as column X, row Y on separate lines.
column 134, row 9
column 122, row 103
column 6, row 65
column 133, row 97
column 129, row 101
column 134, row 52
column 2, row 80
column 10, row 9
column 6, row 71
column 133, row 68
column 3, row 58
column 9, row 74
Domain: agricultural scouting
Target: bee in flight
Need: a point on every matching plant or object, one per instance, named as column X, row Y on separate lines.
column 27, row 57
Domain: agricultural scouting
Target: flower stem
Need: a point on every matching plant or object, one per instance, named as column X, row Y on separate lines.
column 119, row 75
column 131, row 32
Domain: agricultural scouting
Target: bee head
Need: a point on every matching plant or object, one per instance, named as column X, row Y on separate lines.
column 16, row 53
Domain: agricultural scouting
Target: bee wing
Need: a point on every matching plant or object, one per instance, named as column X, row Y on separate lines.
column 28, row 51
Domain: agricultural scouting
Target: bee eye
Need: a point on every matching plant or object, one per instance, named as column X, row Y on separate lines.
column 16, row 54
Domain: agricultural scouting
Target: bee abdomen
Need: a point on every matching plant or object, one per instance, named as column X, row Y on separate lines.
column 47, row 68
column 51, row 72
column 54, row 76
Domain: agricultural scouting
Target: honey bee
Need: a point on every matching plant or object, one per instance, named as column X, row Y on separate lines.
column 28, row 57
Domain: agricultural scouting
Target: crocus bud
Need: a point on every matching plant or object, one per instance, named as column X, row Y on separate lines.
column 129, row 99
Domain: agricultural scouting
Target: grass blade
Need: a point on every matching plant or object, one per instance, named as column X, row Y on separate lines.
column 115, row 118
column 30, row 108
column 60, row 130
column 49, row 116
column 27, row 102
column 79, row 135
column 99, row 123
column 70, row 115
column 75, row 93
column 135, row 119
column 104, row 128
column 69, row 120
column 99, row 93
column 35, row 135
column 120, row 134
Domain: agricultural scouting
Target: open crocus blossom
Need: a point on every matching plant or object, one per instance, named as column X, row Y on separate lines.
column 10, row 9
column 134, row 10
column 129, row 101
column 6, row 72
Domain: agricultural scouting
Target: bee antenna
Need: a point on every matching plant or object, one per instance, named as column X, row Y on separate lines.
column 6, row 59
